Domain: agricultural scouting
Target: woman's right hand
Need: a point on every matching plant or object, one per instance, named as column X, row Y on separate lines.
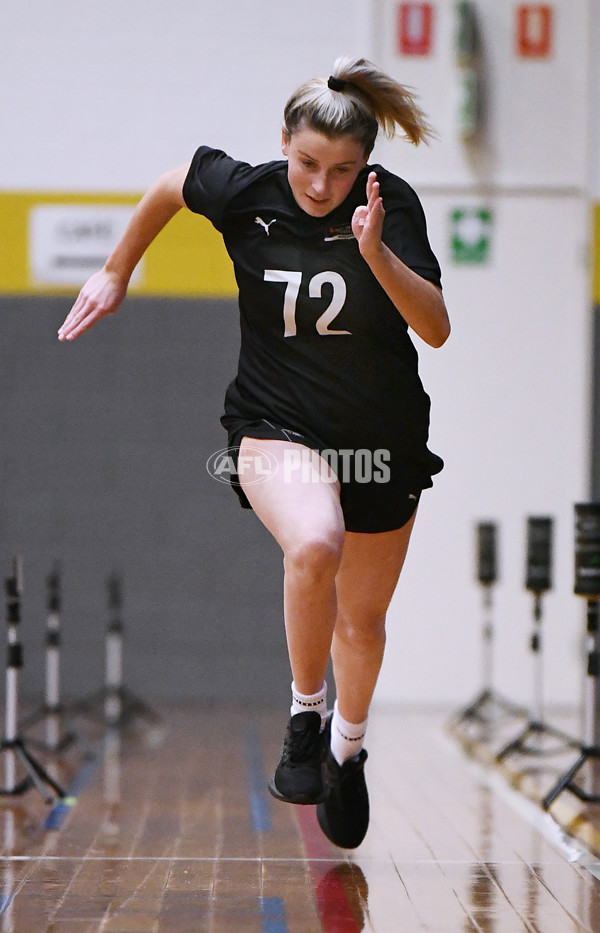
column 101, row 295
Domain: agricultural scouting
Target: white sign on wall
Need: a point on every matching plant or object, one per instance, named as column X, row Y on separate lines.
column 69, row 242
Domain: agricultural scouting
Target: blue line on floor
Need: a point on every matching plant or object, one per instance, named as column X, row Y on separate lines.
column 60, row 811
column 272, row 912
column 260, row 807
column 62, row 808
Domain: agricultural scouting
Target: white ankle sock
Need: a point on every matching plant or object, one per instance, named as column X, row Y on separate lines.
column 315, row 703
column 346, row 737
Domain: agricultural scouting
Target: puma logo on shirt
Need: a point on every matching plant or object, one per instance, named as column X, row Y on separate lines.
column 259, row 220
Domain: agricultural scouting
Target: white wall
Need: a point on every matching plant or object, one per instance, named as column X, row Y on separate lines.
column 537, row 108
column 594, row 83
column 511, row 388
column 106, row 95
column 509, row 401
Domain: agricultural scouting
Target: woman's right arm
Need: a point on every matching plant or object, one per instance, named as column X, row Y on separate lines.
column 105, row 290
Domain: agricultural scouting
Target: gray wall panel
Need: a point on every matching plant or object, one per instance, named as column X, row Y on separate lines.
column 103, row 452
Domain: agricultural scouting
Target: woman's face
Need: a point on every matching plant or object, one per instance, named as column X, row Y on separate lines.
column 321, row 171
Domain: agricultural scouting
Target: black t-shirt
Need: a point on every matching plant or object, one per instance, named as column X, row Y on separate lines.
column 324, row 352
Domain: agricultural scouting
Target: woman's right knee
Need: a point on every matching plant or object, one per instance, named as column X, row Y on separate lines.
column 317, row 554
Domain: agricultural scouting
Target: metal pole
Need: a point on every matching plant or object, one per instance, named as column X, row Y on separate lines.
column 487, row 575
column 14, row 661
column 537, row 709
column 487, row 635
column 587, row 583
column 114, row 653
column 592, row 705
column 53, row 662
column 538, row 580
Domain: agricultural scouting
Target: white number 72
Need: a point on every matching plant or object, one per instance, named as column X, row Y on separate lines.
column 315, row 287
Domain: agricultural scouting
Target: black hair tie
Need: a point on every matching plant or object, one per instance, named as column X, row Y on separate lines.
column 336, row 84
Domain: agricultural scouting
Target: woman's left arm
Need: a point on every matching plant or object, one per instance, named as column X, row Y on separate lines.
column 419, row 302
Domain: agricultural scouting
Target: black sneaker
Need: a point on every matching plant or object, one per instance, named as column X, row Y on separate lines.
column 298, row 777
column 344, row 814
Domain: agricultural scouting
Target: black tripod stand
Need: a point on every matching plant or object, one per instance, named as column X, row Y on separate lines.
column 488, row 706
column 60, row 735
column 114, row 704
column 538, row 580
column 12, row 745
column 587, row 583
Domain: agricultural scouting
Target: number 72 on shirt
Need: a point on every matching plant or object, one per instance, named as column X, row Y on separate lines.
column 293, row 281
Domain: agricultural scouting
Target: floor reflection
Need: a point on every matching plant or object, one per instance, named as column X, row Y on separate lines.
column 484, row 882
column 342, row 898
column 110, row 827
column 9, row 874
column 162, row 840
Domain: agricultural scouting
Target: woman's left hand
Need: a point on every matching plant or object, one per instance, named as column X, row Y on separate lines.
column 367, row 222
column 419, row 302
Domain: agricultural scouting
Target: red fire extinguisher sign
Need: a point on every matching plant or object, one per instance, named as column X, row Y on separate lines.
column 415, row 28
column 534, row 30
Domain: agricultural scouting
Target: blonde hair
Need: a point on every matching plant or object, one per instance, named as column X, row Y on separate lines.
column 368, row 100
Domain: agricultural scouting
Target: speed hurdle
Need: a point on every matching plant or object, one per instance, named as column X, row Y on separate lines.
column 587, row 585
column 538, row 581
column 12, row 745
column 488, row 706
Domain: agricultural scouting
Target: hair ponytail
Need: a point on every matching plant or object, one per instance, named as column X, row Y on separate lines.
column 359, row 99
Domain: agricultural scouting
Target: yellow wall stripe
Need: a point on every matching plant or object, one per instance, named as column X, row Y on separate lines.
column 187, row 259
column 596, row 256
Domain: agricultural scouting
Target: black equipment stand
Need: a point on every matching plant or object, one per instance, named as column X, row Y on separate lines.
column 587, row 584
column 59, row 733
column 12, row 745
column 117, row 705
column 488, row 705
column 538, row 580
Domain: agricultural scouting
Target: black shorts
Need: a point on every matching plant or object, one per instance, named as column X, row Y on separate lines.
column 372, row 498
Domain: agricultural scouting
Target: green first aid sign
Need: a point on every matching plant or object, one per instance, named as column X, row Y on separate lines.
column 470, row 234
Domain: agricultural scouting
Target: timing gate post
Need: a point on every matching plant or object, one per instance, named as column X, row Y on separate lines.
column 538, row 581
column 587, row 585
column 12, row 746
column 488, row 704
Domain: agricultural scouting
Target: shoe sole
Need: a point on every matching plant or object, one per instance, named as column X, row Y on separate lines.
column 303, row 800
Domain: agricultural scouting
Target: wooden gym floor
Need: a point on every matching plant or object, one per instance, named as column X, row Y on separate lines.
column 171, row 830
